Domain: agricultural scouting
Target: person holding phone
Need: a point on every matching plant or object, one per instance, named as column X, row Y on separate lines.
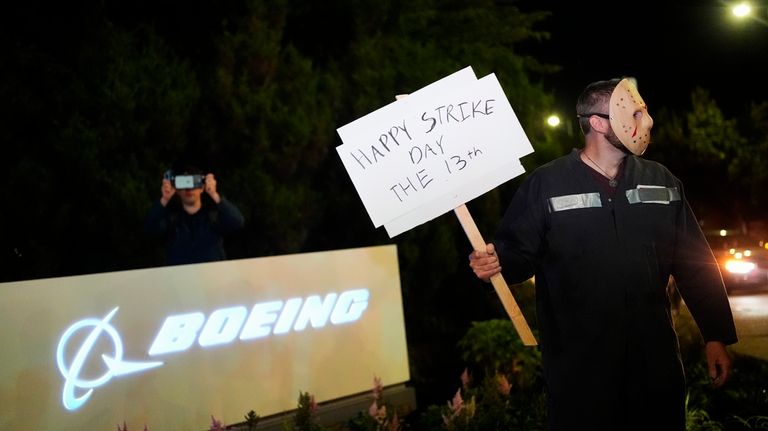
column 195, row 224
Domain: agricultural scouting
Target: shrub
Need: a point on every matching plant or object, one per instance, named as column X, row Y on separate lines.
column 504, row 390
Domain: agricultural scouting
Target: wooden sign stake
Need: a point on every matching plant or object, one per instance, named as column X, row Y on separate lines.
column 499, row 284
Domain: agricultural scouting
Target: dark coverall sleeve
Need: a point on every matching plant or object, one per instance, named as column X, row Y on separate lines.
column 698, row 279
column 230, row 217
column 156, row 221
column 519, row 237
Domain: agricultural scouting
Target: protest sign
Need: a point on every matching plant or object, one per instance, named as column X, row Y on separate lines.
column 431, row 152
column 442, row 146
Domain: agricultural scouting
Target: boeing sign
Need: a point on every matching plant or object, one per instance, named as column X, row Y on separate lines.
column 170, row 346
column 179, row 332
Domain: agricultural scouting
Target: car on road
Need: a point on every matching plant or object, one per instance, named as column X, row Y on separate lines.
column 743, row 260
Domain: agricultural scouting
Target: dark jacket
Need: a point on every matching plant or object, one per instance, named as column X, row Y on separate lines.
column 601, row 266
column 194, row 238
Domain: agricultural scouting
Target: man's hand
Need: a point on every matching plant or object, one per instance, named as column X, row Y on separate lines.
column 210, row 188
column 485, row 264
column 166, row 192
column 718, row 362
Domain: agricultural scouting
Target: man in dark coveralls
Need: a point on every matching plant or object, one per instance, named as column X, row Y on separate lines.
column 602, row 229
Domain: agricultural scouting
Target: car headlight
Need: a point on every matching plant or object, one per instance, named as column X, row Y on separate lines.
column 736, row 266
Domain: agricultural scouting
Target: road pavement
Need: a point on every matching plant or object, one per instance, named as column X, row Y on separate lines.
column 750, row 313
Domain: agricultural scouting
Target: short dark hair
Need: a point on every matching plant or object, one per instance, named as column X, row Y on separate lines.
column 186, row 168
column 593, row 99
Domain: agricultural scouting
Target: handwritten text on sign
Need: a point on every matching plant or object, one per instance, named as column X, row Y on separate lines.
column 414, row 152
column 420, row 151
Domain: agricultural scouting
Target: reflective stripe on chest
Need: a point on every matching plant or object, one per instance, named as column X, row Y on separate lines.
column 645, row 194
column 572, row 202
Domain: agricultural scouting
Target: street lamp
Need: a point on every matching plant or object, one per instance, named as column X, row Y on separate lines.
column 741, row 10
column 744, row 10
column 553, row 120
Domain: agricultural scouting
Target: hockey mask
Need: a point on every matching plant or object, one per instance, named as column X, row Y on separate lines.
column 629, row 117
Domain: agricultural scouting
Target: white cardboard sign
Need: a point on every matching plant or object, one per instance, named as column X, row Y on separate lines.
column 443, row 145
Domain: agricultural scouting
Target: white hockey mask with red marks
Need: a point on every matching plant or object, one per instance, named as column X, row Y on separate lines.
column 629, row 117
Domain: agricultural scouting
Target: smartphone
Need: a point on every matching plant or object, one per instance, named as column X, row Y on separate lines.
column 182, row 182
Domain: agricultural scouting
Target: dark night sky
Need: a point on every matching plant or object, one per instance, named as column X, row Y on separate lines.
column 670, row 48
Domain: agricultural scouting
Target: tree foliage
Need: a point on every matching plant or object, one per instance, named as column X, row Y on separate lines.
column 720, row 155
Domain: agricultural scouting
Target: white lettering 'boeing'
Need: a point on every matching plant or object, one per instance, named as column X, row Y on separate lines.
column 180, row 331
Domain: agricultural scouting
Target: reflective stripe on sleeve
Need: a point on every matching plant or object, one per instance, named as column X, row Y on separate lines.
column 653, row 195
column 572, row 202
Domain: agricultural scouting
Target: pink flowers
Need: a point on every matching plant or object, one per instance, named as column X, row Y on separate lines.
column 378, row 410
column 465, row 379
column 378, row 388
column 457, row 404
column 503, row 384
column 458, row 411
column 378, row 413
column 216, row 425
column 313, row 409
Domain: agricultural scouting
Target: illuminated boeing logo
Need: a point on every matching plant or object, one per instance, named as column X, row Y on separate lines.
column 180, row 331
column 115, row 364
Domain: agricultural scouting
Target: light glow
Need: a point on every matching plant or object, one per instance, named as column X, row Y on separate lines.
column 739, row 266
column 741, row 10
column 723, row 232
column 553, row 120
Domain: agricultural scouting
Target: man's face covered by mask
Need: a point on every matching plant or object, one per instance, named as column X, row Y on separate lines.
column 629, row 117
